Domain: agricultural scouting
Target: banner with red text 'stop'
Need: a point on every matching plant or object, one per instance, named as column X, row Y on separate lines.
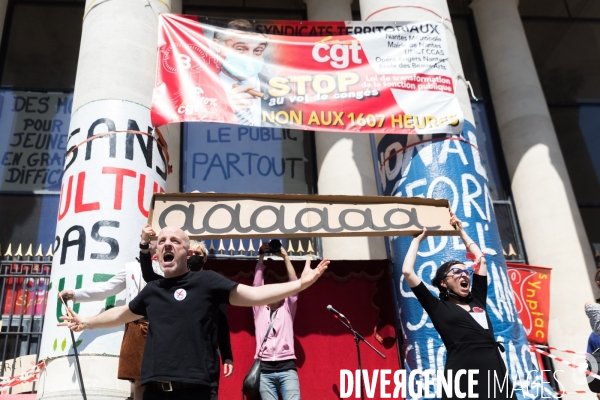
column 385, row 77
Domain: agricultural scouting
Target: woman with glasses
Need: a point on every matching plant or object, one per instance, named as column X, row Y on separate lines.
column 459, row 316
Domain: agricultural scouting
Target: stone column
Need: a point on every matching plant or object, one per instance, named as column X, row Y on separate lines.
column 108, row 180
column 172, row 133
column 550, row 221
column 448, row 167
column 418, row 10
column 344, row 160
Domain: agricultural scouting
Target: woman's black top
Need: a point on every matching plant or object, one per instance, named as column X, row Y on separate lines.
column 469, row 345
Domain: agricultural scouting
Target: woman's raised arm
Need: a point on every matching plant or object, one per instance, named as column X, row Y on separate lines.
column 408, row 267
column 472, row 247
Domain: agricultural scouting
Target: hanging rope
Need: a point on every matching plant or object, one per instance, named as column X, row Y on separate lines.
column 419, row 7
column 459, row 139
column 160, row 140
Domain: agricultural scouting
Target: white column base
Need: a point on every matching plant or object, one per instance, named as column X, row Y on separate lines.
column 98, row 385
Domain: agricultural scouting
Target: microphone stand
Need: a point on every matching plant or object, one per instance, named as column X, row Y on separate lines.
column 77, row 364
column 357, row 338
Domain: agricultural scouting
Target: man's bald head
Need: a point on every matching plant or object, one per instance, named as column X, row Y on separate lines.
column 172, row 251
column 171, row 230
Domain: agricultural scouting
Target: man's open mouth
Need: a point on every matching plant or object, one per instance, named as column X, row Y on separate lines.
column 168, row 257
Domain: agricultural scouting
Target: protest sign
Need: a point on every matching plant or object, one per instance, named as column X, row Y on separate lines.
column 34, row 130
column 391, row 77
column 227, row 158
column 218, row 215
column 531, row 289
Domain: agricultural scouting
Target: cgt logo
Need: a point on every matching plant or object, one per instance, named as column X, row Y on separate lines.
column 338, row 54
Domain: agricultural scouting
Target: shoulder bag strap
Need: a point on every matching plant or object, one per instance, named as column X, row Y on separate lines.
column 268, row 331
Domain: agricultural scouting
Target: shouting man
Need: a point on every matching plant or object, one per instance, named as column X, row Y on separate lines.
column 179, row 357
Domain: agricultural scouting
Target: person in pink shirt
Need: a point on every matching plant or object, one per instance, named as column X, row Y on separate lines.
column 278, row 367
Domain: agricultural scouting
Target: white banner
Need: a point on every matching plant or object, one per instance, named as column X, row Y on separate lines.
column 367, row 77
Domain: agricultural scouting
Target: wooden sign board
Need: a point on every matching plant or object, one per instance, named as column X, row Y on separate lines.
column 218, row 215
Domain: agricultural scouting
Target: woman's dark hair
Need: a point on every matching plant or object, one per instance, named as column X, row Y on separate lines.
column 442, row 271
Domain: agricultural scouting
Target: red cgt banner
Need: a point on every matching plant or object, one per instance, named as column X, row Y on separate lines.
column 531, row 287
column 385, row 77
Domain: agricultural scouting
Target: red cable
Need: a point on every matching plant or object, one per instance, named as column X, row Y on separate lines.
column 159, row 140
column 426, row 141
column 389, row 8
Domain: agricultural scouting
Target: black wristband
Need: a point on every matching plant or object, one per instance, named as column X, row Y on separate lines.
column 145, row 246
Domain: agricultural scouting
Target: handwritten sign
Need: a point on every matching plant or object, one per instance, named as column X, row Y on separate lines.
column 33, row 143
column 244, row 159
column 215, row 215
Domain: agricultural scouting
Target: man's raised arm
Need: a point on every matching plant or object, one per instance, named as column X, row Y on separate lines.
column 243, row 295
column 114, row 317
column 97, row 292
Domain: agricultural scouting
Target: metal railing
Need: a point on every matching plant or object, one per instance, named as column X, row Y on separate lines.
column 23, row 298
column 25, row 284
column 248, row 248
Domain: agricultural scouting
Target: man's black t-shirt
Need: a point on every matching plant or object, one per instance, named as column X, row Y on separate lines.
column 182, row 335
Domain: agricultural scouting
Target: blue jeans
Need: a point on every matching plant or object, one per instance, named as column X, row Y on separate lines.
column 285, row 383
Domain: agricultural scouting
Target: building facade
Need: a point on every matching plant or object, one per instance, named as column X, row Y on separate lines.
column 532, row 69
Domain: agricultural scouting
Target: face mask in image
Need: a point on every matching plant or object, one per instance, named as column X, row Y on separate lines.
column 241, row 66
column 195, row 262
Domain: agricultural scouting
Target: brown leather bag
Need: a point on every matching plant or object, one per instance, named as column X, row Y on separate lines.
column 132, row 350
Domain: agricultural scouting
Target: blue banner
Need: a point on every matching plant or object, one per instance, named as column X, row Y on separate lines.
column 244, row 159
column 33, row 140
column 451, row 167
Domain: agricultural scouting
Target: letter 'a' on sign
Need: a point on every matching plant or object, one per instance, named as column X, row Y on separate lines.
column 218, row 215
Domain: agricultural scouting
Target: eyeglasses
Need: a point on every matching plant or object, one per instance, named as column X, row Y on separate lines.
column 457, row 272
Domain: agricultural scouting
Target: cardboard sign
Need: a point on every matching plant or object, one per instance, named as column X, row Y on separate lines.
column 334, row 76
column 217, row 215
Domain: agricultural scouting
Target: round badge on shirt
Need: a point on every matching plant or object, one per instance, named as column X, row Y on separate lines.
column 180, row 294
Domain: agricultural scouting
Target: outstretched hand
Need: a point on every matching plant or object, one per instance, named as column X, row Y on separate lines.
column 74, row 323
column 264, row 248
column 455, row 222
column 147, row 231
column 227, row 368
column 67, row 294
column 420, row 237
column 309, row 275
column 282, row 253
column 239, row 98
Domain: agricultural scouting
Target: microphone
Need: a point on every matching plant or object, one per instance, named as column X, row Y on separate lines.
column 336, row 312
